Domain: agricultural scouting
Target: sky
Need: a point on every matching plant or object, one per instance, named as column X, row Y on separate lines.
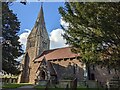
column 27, row 15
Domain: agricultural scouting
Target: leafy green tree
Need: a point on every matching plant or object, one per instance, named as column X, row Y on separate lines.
column 11, row 47
column 94, row 31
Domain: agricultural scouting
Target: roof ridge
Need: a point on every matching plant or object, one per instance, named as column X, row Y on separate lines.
column 59, row 48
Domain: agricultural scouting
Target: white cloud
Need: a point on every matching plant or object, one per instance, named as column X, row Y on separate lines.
column 56, row 39
column 23, row 38
column 19, row 58
column 63, row 23
column 23, row 41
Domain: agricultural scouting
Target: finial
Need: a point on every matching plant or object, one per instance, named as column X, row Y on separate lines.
column 41, row 4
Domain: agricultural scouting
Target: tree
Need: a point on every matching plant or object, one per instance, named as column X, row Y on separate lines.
column 11, row 47
column 94, row 31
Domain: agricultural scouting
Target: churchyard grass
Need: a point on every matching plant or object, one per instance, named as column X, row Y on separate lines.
column 39, row 87
column 90, row 89
column 14, row 85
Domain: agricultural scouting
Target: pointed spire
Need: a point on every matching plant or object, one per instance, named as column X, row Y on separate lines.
column 41, row 4
column 39, row 21
column 41, row 14
column 39, row 34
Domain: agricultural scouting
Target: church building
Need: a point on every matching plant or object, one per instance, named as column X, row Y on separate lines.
column 41, row 63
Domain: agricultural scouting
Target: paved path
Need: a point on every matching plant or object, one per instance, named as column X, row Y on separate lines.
column 30, row 86
column 26, row 88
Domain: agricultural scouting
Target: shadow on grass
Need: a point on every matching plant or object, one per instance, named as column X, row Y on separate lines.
column 14, row 85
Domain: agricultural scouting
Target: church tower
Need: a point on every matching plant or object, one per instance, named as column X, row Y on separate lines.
column 37, row 42
column 38, row 37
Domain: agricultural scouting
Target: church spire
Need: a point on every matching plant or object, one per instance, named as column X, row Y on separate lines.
column 39, row 37
column 37, row 42
column 39, row 22
column 41, row 4
column 40, row 17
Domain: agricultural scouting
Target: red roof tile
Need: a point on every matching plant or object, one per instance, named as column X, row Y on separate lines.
column 59, row 53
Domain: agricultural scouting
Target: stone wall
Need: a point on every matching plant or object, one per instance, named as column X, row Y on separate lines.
column 68, row 69
column 30, row 67
column 102, row 74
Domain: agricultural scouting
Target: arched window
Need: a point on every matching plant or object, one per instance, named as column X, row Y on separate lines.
column 25, row 74
column 43, row 75
column 26, row 64
column 92, row 76
column 44, row 45
column 74, row 68
column 26, row 59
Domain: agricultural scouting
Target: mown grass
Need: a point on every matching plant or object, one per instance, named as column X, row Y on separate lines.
column 14, row 85
column 39, row 87
column 90, row 89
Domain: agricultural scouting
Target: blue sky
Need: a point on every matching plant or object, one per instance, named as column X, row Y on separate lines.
column 27, row 15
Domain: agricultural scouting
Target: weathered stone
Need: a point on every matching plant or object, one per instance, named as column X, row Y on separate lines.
column 37, row 42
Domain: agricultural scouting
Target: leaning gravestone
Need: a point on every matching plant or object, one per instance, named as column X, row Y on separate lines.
column 115, row 82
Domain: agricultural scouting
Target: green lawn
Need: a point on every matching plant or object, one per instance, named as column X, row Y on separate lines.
column 14, row 85
column 38, row 87
column 90, row 89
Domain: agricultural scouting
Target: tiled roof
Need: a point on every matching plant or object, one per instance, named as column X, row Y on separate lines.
column 59, row 53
